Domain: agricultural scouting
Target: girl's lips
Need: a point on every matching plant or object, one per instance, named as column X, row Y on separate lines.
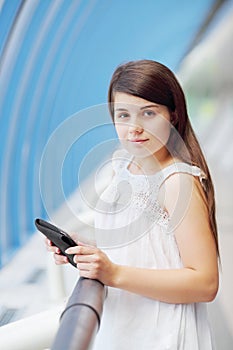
column 138, row 141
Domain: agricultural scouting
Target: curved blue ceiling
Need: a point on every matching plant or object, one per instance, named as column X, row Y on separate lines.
column 57, row 57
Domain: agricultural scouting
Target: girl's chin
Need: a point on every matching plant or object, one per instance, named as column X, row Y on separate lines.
column 138, row 150
column 139, row 153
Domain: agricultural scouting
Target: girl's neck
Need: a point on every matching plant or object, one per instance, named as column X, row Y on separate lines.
column 151, row 164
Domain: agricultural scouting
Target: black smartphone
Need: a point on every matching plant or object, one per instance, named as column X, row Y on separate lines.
column 59, row 238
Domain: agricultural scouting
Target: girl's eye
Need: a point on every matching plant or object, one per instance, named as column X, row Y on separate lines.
column 122, row 115
column 149, row 113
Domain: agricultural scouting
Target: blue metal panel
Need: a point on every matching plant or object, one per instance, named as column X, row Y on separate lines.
column 8, row 13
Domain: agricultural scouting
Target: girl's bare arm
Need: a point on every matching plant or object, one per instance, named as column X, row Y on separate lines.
column 196, row 281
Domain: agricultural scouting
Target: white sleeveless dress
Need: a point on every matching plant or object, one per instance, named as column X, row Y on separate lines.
column 132, row 229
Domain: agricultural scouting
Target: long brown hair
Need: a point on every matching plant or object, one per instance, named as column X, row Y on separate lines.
column 155, row 82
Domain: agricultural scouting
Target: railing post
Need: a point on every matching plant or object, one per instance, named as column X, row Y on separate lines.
column 80, row 320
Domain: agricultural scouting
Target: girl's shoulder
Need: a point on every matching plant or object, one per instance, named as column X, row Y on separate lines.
column 181, row 182
column 178, row 168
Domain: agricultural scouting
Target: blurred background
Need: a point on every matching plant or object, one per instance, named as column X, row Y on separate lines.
column 56, row 61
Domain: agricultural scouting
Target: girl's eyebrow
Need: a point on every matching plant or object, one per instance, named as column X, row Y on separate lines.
column 121, row 109
column 144, row 107
column 149, row 106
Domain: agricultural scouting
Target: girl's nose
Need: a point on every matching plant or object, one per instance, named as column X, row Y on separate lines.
column 135, row 128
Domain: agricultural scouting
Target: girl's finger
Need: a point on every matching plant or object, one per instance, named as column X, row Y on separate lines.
column 84, row 244
column 60, row 259
column 86, row 250
column 83, row 267
column 83, row 258
column 53, row 249
column 48, row 243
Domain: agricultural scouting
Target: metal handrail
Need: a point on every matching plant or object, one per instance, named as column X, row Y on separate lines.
column 80, row 320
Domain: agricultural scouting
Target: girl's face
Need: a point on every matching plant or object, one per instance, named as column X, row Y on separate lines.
column 143, row 127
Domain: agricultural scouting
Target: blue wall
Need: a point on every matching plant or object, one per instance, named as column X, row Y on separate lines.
column 57, row 57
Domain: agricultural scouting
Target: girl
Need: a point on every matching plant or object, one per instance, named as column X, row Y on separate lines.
column 157, row 246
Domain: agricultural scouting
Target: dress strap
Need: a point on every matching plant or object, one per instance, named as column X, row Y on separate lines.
column 184, row 168
column 120, row 160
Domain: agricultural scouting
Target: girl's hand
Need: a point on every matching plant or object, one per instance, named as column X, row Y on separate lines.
column 58, row 257
column 93, row 263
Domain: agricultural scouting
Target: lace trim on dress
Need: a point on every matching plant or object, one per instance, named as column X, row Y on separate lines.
column 145, row 204
column 145, row 188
